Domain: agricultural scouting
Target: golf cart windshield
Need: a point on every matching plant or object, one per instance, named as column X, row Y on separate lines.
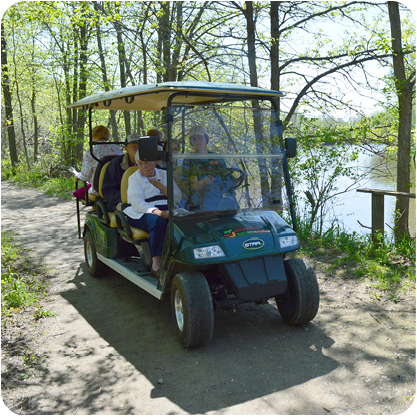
column 227, row 157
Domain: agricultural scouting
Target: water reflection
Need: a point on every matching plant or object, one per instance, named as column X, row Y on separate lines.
column 356, row 206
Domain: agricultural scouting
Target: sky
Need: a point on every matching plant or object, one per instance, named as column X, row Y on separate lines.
column 364, row 98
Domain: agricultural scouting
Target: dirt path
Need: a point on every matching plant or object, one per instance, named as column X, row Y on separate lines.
column 112, row 349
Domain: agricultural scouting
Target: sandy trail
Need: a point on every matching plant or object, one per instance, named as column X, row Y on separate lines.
column 112, row 348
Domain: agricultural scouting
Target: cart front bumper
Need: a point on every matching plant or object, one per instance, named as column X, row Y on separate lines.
column 256, row 279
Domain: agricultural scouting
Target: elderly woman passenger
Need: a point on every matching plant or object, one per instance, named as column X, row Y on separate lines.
column 100, row 134
column 147, row 194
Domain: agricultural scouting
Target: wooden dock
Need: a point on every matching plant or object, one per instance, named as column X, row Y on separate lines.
column 377, row 206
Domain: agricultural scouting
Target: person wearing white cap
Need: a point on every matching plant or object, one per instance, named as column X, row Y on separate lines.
column 207, row 177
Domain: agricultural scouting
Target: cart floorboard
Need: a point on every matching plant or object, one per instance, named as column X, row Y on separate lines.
column 135, row 273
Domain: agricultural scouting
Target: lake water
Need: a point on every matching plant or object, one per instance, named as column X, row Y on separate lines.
column 354, row 206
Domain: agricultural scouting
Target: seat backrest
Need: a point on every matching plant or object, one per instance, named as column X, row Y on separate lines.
column 101, row 177
column 125, row 182
column 97, row 171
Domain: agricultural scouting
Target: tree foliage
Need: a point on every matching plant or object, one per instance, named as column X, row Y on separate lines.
column 328, row 57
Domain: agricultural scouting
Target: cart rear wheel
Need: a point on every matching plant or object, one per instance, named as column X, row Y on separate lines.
column 192, row 309
column 300, row 302
column 95, row 267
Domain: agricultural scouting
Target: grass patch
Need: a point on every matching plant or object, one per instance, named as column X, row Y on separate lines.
column 387, row 265
column 23, row 287
column 22, row 283
column 59, row 187
column 42, row 176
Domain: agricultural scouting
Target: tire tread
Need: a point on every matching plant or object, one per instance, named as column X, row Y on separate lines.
column 198, row 307
column 306, row 292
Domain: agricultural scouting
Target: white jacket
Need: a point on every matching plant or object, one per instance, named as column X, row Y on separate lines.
column 140, row 191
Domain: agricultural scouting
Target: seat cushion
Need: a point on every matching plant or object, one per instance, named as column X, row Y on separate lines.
column 139, row 234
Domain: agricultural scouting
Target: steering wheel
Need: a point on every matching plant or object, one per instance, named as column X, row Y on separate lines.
column 235, row 176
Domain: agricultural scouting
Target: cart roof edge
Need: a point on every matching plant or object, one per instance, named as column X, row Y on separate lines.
column 155, row 96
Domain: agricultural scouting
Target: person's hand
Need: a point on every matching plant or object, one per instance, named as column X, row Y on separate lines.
column 199, row 185
column 208, row 180
column 161, row 213
column 159, row 186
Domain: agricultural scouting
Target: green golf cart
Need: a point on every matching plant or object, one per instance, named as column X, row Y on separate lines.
column 226, row 242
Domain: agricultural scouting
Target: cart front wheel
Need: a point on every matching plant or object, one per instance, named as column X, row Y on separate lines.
column 192, row 309
column 95, row 267
column 300, row 302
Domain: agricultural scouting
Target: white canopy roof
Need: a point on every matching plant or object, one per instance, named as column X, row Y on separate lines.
column 155, row 96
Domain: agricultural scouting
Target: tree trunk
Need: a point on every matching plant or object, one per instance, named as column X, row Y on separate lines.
column 82, row 92
column 166, row 41
column 75, row 112
column 67, row 144
column 274, row 55
column 35, row 123
column 276, row 178
column 250, row 26
column 405, row 93
column 22, row 123
column 144, row 46
column 122, row 67
column 7, row 100
column 178, row 41
column 253, row 75
column 19, row 101
column 159, row 69
column 106, row 83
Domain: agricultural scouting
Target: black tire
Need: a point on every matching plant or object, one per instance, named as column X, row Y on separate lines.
column 95, row 267
column 192, row 309
column 300, row 302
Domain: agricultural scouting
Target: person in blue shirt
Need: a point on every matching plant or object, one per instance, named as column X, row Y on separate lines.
column 209, row 179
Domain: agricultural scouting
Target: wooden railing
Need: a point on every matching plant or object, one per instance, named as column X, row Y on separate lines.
column 377, row 206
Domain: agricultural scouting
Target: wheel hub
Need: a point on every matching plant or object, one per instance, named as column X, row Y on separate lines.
column 89, row 254
column 179, row 314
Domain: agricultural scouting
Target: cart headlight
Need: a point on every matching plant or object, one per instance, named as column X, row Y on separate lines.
column 209, row 252
column 287, row 241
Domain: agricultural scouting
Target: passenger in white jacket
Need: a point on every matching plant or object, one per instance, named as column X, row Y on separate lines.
column 147, row 196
